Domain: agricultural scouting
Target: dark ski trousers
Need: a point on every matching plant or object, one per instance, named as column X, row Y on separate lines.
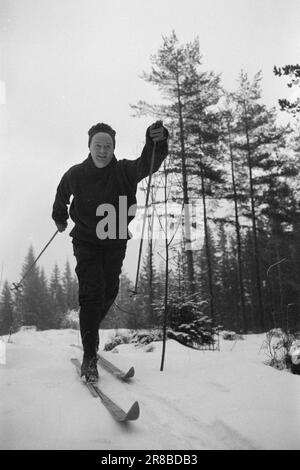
column 98, row 269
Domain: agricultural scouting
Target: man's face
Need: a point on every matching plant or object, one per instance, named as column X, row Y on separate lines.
column 102, row 149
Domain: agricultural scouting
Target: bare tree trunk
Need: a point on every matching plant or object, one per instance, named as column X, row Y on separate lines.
column 166, row 277
column 254, row 228
column 238, row 236
column 207, row 247
column 187, row 225
column 151, row 286
column 282, row 314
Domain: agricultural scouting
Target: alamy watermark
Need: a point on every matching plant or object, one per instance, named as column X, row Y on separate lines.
column 172, row 221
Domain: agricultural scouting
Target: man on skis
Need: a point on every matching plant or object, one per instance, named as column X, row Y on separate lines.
column 97, row 184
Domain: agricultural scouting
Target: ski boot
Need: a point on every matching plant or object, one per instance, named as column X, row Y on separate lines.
column 89, row 369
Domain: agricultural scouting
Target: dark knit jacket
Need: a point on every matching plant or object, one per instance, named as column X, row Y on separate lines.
column 91, row 186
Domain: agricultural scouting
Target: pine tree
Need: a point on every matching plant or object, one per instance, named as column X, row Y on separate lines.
column 57, row 297
column 235, row 192
column 252, row 310
column 46, row 318
column 124, row 313
column 256, row 138
column 290, row 270
column 175, row 73
column 222, row 284
column 205, row 282
column 293, row 73
column 6, row 310
column 148, row 290
column 29, row 298
column 70, row 288
column 281, row 211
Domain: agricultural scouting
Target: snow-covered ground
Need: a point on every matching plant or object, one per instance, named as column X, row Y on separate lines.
column 202, row 400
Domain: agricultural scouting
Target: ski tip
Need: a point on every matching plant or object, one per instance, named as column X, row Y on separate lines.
column 134, row 412
column 129, row 374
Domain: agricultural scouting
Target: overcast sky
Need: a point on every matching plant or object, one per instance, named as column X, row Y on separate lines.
column 68, row 64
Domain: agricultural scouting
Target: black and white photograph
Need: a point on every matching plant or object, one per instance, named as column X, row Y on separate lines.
column 150, row 228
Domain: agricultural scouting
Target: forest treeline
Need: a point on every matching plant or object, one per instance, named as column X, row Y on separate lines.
column 237, row 263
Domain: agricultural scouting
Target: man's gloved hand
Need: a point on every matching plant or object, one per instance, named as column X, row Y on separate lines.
column 157, row 132
column 61, row 227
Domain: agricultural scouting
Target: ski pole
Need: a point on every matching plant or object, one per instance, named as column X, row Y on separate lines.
column 19, row 285
column 134, row 291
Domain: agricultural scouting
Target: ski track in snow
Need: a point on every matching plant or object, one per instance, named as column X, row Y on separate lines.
column 175, row 419
column 202, row 400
